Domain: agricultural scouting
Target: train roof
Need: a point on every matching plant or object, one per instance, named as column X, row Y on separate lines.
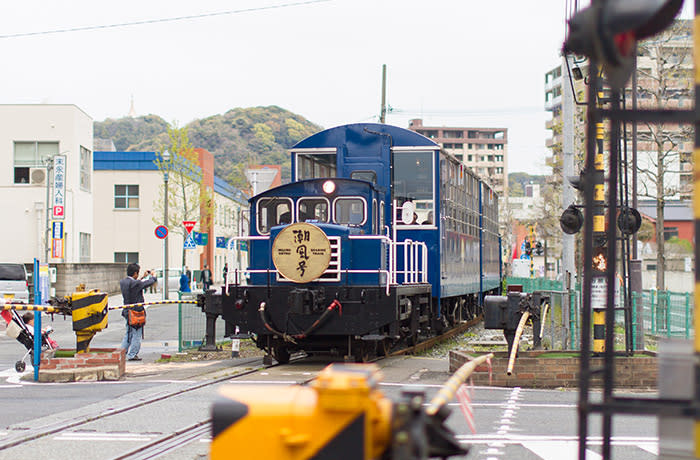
column 364, row 133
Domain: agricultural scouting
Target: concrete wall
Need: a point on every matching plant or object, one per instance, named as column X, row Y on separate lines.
column 104, row 277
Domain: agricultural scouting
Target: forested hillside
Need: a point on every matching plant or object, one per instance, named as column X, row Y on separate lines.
column 241, row 136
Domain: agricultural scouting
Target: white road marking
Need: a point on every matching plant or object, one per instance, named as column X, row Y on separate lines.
column 651, row 447
column 556, row 450
column 85, row 436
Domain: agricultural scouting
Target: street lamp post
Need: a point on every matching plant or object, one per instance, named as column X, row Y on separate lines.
column 166, row 171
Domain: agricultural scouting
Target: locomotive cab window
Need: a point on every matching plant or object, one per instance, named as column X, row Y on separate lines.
column 349, row 211
column 413, row 181
column 312, row 209
column 369, row 176
column 273, row 211
column 315, row 165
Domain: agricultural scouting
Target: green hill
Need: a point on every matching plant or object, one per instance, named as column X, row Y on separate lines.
column 241, row 136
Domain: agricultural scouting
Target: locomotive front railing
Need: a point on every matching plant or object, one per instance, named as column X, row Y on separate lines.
column 415, row 255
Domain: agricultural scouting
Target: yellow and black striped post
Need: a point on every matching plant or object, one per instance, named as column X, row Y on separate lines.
column 89, row 314
column 599, row 250
column 696, row 215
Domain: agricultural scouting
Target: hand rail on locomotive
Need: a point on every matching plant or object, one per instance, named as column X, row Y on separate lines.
column 415, row 261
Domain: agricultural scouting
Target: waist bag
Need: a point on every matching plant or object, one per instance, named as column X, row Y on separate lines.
column 137, row 318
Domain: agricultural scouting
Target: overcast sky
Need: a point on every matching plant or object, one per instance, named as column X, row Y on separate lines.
column 452, row 63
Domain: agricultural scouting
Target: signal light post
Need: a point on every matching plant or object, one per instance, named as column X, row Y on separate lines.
column 606, row 32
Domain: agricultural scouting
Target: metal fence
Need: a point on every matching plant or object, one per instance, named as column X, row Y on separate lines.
column 192, row 323
column 664, row 313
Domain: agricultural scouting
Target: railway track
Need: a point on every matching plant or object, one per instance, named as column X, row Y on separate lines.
column 56, row 428
column 426, row 344
column 173, row 439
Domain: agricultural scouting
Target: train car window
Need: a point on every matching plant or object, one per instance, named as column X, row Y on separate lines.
column 314, row 165
column 347, row 210
column 381, row 217
column 369, row 176
column 273, row 211
column 413, row 180
column 375, row 223
column 312, row 209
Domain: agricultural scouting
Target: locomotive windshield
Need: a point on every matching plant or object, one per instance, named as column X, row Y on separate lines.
column 273, row 211
column 349, row 211
column 413, row 181
column 312, row 209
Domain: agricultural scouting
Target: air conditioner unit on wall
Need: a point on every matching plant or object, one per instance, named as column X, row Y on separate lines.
column 37, row 176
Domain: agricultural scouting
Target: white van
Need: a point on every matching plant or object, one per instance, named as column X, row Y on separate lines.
column 13, row 282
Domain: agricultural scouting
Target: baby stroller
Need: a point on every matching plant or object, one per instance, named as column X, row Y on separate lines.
column 19, row 330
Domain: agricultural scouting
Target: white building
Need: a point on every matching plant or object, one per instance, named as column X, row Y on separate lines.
column 128, row 186
column 31, row 135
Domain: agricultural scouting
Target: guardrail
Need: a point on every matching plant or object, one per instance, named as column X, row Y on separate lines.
column 415, row 258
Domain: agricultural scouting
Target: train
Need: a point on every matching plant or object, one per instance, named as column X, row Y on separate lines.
column 381, row 238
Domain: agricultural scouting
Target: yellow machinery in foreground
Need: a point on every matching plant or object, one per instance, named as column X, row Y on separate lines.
column 341, row 414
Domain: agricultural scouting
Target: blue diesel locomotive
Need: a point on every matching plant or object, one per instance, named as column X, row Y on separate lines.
column 380, row 238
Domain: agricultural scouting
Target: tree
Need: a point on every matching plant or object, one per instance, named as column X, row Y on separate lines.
column 188, row 199
column 665, row 80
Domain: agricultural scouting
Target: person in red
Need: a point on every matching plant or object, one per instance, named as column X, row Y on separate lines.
column 132, row 292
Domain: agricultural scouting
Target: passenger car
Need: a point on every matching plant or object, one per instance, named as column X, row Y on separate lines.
column 13, row 282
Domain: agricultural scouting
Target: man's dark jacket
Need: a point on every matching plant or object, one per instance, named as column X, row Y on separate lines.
column 132, row 291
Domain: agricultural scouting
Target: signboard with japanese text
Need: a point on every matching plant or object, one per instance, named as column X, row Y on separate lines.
column 189, row 225
column 57, row 249
column 301, row 252
column 59, row 186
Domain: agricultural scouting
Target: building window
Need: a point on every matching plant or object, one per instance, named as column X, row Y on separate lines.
column 126, row 196
column 470, row 146
column 31, row 155
column 670, row 232
column 452, row 134
column 470, row 157
column 85, row 168
column 459, row 146
column 471, row 134
column 448, row 146
column 84, row 247
column 126, row 257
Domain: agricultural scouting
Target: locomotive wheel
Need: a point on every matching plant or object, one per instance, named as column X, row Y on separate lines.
column 281, row 354
column 365, row 352
column 383, row 347
column 20, row 366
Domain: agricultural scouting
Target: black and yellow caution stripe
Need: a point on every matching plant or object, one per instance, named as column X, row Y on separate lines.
column 159, row 302
column 42, row 308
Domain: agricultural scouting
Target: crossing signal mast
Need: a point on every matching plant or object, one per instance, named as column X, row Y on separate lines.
column 607, row 33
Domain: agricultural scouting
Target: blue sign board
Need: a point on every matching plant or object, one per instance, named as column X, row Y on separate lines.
column 221, row 242
column 161, row 231
column 189, row 242
column 57, row 230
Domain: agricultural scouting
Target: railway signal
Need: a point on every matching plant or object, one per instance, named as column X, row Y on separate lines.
column 608, row 32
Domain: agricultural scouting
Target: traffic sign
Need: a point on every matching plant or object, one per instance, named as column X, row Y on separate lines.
column 161, row 231
column 189, row 242
column 189, row 225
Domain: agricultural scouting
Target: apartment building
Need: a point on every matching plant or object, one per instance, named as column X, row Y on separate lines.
column 36, row 141
column 483, row 150
column 664, row 80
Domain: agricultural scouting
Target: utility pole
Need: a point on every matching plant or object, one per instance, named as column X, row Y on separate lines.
column 567, row 191
column 382, row 116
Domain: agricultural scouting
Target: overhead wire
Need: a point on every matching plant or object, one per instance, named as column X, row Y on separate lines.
column 161, row 20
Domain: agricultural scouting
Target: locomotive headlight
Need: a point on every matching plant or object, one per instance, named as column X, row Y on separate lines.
column 329, row 187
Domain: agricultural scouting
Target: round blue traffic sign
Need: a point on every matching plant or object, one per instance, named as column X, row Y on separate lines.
column 161, row 231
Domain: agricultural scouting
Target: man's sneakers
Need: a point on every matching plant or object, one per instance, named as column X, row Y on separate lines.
column 135, row 358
